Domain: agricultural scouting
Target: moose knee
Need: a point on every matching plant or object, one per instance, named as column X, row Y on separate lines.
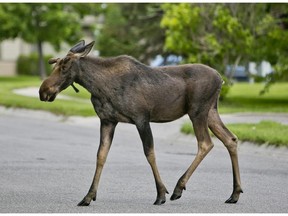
column 232, row 145
column 205, row 147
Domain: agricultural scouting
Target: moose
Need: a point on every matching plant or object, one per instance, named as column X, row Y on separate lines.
column 125, row 90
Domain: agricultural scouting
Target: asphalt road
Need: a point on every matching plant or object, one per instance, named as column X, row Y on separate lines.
column 47, row 163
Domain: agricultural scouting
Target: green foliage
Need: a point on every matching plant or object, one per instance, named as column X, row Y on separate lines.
column 226, row 85
column 44, row 22
column 228, row 34
column 206, row 33
column 11, row 20
column 132, row 29
column 35, row 22
column 264, row 132
column 28, row 65
column 113, row 29
column 49, row 22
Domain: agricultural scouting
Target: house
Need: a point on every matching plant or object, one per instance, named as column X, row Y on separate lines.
column 10, row 50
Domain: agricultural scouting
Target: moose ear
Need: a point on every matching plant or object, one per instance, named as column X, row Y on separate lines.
column 78, row 47
column 85, row 50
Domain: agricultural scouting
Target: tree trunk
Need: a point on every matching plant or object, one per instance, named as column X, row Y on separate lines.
column 41, row 65
column 236, row 63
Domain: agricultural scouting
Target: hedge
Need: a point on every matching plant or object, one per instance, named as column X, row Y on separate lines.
column 28, row 65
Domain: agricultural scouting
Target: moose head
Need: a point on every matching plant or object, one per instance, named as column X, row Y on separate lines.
column 64, row 72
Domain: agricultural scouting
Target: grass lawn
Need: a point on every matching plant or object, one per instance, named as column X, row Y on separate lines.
column 264, row 132
column 63, row 107
column 268, row 132
column 244, row 97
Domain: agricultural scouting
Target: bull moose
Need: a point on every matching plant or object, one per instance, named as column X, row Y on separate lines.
column 125, row 90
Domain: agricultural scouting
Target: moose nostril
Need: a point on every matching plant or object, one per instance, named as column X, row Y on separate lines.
column 44, row 93
column 42, row 96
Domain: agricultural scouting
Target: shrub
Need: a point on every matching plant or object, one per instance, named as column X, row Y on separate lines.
column 28, row 65
column 225, row 88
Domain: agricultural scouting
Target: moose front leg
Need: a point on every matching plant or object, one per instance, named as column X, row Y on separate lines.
column 147, row 140
column 106, row 136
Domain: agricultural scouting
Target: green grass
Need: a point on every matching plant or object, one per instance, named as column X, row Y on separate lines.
column 267, row 132
column 264, row 132
column 244, row 97
column 63, row 107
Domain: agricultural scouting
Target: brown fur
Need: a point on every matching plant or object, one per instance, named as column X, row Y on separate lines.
column 125, row 90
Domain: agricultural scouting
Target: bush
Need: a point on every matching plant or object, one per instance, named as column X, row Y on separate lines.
column 28, row 65
column 225, row 88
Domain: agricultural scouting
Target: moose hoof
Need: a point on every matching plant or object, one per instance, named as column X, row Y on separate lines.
column 87, row 200
column 234, row 197
column 84, row 203
column 161, row 198
column 231, row 200
column 175, row 196
column 177, row 193
column 160, row 201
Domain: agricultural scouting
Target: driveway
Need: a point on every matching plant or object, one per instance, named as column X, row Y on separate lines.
column 47, row 163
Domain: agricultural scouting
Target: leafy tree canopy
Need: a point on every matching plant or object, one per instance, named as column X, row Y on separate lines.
column 222, row 34
column 44, row 22
column 132, row 29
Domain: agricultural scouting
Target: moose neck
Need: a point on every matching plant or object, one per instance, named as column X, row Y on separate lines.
column 92, row 75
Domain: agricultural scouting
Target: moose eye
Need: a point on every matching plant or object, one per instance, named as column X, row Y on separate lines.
column 63, row 68
column 64, row 64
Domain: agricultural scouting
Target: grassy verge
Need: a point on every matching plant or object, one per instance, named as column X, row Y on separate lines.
column 244, row 97
column 63, row 107
column 264, row 132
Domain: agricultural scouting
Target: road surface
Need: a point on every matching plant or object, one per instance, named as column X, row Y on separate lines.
column 47, row 163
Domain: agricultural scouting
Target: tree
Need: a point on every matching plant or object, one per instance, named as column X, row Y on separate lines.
column 43, row 22
column 132, row 29
column 206, row 33
column 228, row 34
column 271, row 42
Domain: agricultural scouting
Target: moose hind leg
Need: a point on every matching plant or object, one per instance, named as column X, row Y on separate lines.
column 204, row 146
column 148, row 146
column 230, row 141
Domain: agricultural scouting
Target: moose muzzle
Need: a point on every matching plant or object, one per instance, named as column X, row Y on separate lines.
column 47, row 93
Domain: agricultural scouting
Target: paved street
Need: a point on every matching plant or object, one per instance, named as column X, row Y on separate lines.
column 47, row 163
